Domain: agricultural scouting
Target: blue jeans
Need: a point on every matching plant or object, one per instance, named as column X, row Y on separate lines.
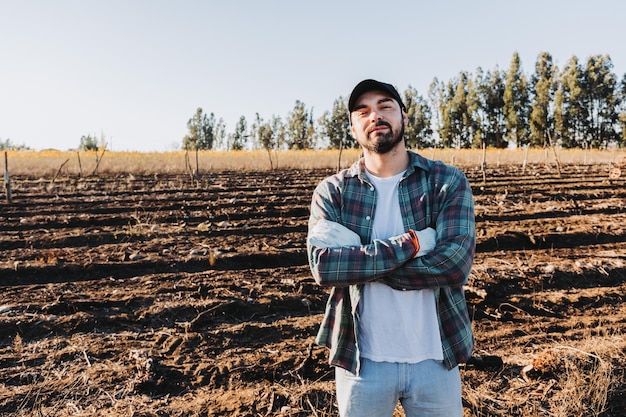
column 425, row 389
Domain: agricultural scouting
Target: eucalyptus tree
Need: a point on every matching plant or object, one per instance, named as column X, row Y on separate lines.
column 561, row 121
column 257, row 133
column 220, row 134
column 239, row 138
column 464, row 106
column 491, row 97
column 446, row 128
column 516, row 103
column 201, row 131
column 600, row 93
column 88, row 143
column 335, row 126
column 622, row 110
column 435, row 94
column 474, row 118
column 456, row 120
column 418, row 133
column 265, row 135
column 8, row 145
column 280, row 132
column 541, row 113
column 300, row 127
column 570, row 112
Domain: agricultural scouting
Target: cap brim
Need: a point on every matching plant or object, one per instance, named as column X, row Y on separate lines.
column 372, row 85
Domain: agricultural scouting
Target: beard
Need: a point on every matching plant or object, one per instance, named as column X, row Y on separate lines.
column 384, row 143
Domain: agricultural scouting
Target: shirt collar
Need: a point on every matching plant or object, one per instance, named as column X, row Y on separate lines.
column 416, row 162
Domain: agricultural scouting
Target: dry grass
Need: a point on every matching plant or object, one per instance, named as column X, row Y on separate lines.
column 555, row 380
column 50, row 164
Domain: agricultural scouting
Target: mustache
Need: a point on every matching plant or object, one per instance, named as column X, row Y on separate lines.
column 378, row 124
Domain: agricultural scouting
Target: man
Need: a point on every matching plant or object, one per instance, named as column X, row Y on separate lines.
column 394, row 236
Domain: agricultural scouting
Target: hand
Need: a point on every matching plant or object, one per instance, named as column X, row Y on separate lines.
column 427, row 241
column 327, row 234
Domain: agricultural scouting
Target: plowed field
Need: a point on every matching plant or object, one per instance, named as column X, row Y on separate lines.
column 133, row 295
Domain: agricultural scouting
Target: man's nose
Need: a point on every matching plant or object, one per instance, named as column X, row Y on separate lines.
column 375, row 116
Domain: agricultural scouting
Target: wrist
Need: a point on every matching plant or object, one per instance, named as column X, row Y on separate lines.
column 416, row 242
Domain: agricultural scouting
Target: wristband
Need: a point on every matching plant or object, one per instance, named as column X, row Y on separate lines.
column 416, row 242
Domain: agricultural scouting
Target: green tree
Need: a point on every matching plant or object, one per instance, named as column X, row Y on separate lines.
column 475, row 118
column 300, row 127
column 418, row 133
column 202, row 129
column 456, row 117
column 570, row 113
column 255, row 131
column 600, row 97
column 516, row 103
column 622, row 110
column 491, row 92
column 280, row 132
column 7, row 145
column 541, row 113
column 88, row 143
column 447, row 127
column 435, row 93
column 266, row 135
column 239, row 138
column 335, row 126
column 220, row 134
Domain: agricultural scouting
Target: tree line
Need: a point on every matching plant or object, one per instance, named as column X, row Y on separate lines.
column 582, row 105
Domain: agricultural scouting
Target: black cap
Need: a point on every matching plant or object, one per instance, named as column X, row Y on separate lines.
column 370, row 85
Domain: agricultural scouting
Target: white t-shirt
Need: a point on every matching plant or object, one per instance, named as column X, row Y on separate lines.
column 396, row 326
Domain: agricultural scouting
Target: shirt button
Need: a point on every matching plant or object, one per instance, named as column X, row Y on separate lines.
column 372, row 187
column 367, row 218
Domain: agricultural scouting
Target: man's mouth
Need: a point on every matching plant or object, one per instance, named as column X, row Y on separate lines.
column 379, row 126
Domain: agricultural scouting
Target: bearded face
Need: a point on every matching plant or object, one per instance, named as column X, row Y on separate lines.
column 377, row 122
column 384, row 142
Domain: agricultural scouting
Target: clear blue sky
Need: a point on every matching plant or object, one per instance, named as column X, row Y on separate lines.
column 136, row 70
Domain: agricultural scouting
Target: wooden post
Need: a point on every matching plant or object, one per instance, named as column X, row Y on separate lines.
column 483, row 164
column 339, row 158
column 556, row 157
column 7, row 181
column 80, row 165
column 197, row 164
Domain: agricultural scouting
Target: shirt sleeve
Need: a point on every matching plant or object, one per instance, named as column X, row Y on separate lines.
column 449, row 263
column 351, row 265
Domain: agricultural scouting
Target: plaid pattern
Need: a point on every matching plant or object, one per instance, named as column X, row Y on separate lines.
column 432, row 194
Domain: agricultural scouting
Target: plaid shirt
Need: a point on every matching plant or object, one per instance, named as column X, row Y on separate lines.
column 431, row 194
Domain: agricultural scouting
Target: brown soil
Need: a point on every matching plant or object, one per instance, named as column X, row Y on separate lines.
column 159, row 296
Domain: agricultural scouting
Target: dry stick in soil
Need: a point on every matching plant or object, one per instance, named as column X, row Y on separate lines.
column 193, row 324
column 7, row 181
column 524, row 163
column 59, row 171
column 339, row 158
column 483, row 164
column 188, row 164
column 556, row 157
column 98, row 160
column 80, row 165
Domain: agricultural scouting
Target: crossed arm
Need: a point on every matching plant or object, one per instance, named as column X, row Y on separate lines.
column 445, row 262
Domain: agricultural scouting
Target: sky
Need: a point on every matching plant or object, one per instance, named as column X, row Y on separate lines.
column 134, row 71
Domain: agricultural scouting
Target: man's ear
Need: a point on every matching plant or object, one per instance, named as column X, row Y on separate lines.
column 405, row 118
